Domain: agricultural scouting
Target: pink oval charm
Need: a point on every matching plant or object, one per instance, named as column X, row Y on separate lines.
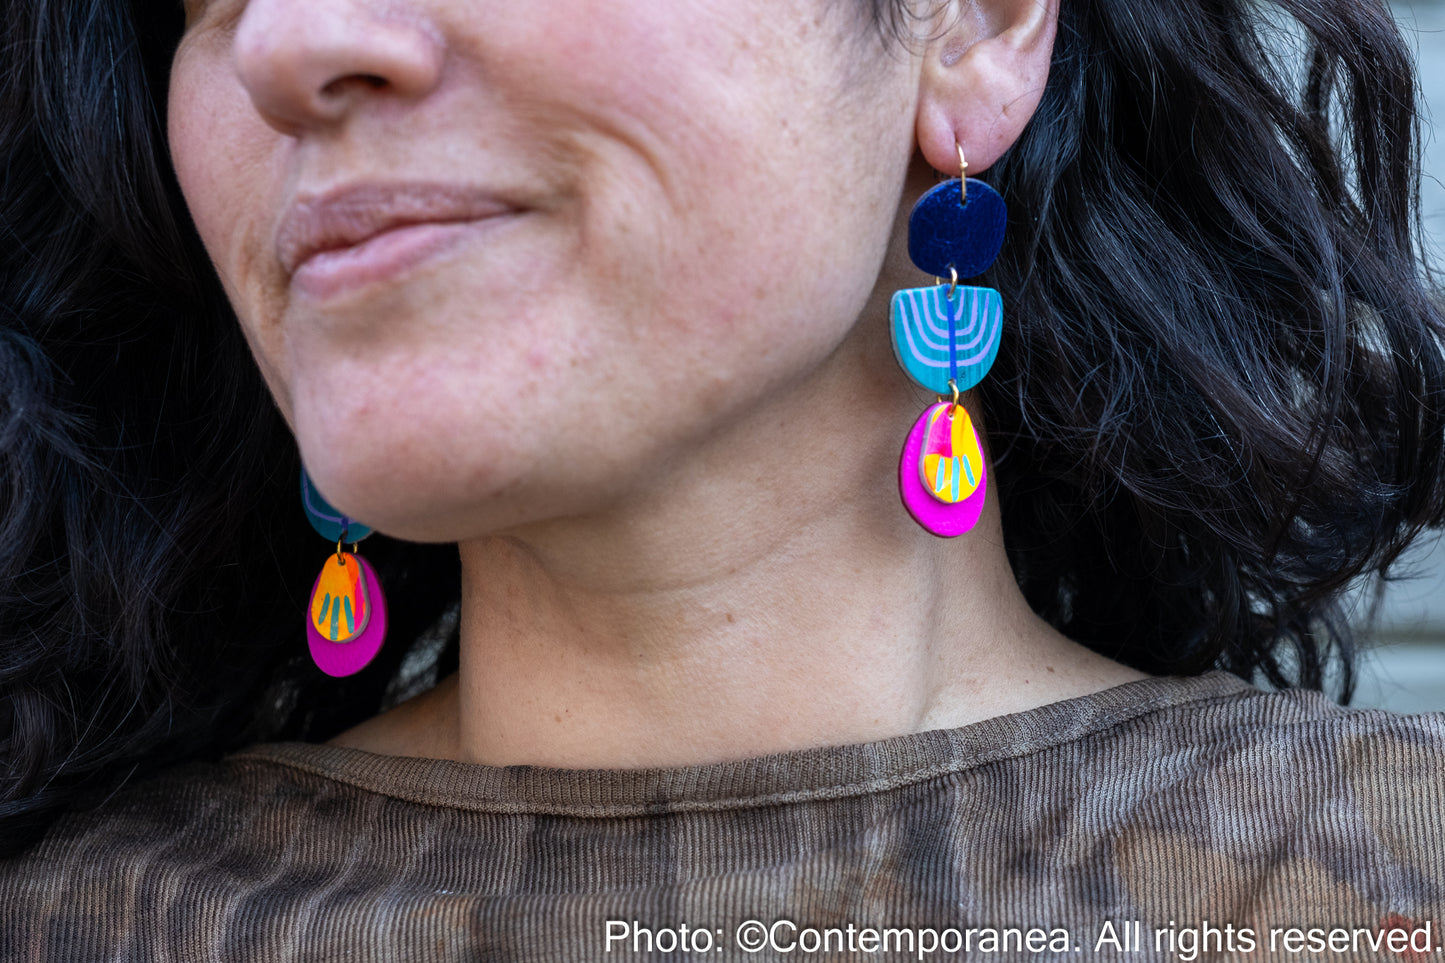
column 940, row 518
column 343, row 658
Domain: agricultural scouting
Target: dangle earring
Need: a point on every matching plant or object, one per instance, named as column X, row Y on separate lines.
column 946, row 338
column 346, row 618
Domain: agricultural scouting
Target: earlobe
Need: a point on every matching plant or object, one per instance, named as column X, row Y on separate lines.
column 983, row 76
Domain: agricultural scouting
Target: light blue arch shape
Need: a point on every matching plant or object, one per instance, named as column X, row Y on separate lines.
column 329, row 523
column 920, row 322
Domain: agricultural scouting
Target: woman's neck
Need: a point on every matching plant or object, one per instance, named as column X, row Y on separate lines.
column 769, row 594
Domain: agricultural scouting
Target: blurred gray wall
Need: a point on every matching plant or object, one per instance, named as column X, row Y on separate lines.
column 1403, row 667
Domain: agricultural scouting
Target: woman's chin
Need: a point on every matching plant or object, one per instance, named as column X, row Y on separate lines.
column 422, row 496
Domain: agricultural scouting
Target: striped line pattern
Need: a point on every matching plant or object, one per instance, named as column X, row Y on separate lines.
column 921, row 319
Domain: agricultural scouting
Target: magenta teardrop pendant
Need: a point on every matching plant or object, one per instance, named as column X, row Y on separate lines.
column 941, row 473
column 346, row 619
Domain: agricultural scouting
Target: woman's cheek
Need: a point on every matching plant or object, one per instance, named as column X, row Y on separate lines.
column 227, row 162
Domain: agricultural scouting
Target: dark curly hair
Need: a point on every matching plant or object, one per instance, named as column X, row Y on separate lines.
column 1224, row 400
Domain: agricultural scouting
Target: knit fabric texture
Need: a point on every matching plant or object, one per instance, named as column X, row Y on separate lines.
column 1164, row 819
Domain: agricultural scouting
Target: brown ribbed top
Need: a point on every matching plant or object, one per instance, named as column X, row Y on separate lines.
column 1103, row 821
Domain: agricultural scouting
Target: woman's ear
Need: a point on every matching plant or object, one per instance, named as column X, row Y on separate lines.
column 983, row 75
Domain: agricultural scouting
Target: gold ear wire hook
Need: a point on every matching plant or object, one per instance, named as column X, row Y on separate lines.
column 962, row 175
column 952, row 282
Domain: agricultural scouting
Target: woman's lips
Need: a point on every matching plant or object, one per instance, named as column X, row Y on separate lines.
column 367, row 233
column 380, row 257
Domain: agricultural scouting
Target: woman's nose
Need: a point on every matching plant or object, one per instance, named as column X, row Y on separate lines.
column 308, row 63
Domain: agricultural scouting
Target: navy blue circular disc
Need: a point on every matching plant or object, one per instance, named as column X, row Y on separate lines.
column 329, row 523
column 945, row 233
